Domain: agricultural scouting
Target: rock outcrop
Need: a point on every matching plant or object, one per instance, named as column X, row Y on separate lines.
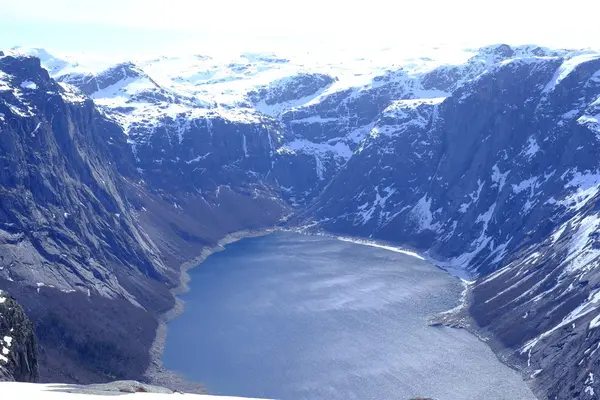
column 18, row 343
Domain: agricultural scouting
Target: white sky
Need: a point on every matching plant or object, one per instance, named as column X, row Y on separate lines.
column 136, row 25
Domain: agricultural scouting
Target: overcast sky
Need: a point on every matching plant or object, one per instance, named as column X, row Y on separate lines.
column 146, row 26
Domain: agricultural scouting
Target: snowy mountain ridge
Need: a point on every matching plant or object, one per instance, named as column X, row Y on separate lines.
column 191, row 90
column 200, row 81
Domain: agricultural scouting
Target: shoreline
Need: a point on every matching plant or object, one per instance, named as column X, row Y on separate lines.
column 156, row 373
column 460, row 318
column 457, row 317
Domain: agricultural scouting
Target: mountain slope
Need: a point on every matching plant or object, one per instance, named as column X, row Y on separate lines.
column 82, row 235
column 496, row 173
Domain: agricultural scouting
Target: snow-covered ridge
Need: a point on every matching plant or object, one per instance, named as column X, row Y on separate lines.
column 151, row 87
column 325, row 105
column 322, row 100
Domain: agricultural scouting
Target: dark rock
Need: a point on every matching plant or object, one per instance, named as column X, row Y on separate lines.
column 18, row 343
column 292, row 88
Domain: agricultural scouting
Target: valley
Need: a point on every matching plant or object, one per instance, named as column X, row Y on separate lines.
column 484, row 160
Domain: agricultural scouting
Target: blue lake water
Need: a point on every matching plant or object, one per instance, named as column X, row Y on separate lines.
column 291, row 317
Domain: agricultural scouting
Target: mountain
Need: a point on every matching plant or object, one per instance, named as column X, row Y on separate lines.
column 484, row 160
column 82, row 235
column 502, row 174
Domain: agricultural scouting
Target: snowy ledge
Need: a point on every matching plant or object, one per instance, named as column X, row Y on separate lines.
column 381, row 246
column 17, row 390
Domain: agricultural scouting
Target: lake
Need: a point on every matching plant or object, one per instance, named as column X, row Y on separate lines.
column 292, row 316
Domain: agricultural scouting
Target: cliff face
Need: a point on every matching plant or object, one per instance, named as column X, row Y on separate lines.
column 66, row 228
column 86, row 245
column 18, row 343
column 502, row 174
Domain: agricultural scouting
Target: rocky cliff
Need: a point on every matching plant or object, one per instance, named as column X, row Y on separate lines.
column 501, row 174
column 85, row 244
column 18, row 343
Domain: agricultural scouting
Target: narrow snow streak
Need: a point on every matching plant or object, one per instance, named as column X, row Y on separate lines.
column 381, row 246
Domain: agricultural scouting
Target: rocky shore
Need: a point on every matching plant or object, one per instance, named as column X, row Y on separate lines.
column 460, row 318
column 157, row 374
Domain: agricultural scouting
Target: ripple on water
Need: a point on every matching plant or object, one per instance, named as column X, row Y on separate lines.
column 292, row 317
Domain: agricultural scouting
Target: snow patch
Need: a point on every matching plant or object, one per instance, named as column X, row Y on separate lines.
column 474, row 197
column 586, row 186
column 319, row 168
column 339, row 149
column 422, row 215
column 589, row 390
column 580, row 253
column 459, row 264
column 530, row 184
column 196, row 159
column 36, row 129
column 71, row 94
column 4, row 82
column 556, row 235
column 566, row 68
column 366, row 210
column 244, row 146
column 28, row 85
column 381, row 246
column 594, row 323
column 532, row 148
column 498, row 177
column 39, row 391
column 592, row 122
column 486, row 217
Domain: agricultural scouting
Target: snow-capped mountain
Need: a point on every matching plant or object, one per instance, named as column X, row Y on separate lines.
column 494, row 176
column 314, row 111
column 485, row 159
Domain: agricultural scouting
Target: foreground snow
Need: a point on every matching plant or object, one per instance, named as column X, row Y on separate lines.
column 17, row 390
